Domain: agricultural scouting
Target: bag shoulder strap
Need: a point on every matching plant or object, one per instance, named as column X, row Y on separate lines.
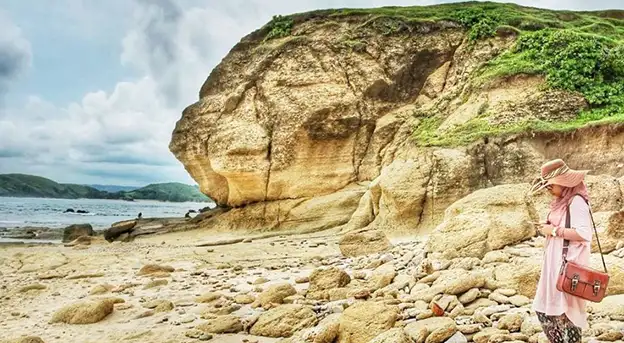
column 566, row 243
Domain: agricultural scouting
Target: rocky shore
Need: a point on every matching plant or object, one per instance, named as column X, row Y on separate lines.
column 302, row 288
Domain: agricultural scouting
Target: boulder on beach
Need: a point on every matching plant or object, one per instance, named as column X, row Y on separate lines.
column 222, row 324
column 149, row 269
column 74, row 231
column 488, row 219
column 324, row 279
column 119, row 228
column 363, row 243
column 87, row 312
column 284, row 321
column 274, row 295
column 363, row 321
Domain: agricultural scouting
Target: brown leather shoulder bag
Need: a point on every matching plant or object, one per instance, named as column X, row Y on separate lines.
column 582, row 281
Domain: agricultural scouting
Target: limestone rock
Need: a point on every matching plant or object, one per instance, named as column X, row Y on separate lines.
column 72, row 232
column 605, row 193
column 156, row 283
column 85, row 312
column 469, row 296
column 284, row 321
column 305, row 215
column 164, row 306
column 458, row 337
column 208, row 297
column 396, row 197
column 237, row 133
column 395, row 335
column 325, row 332
column 531, row 326
column 496, row 256
column 363, row 243
column 260, row 281
column 479, row 303
column 610, row 336
column 441, row 334
column 420, row 331
column 485, row 334
column 154, row 268
column 325, row 279
column 275, row 294
column 522, row 275
column 486, row 220
column 511, row 322
column 222, row 324
column 244, row 299
column 101, row 289
column 610, row 227
column 499, row 298
column 382, row 276
column 519, row 300
column 459, row 283
column 363, row 321
column 32, row 287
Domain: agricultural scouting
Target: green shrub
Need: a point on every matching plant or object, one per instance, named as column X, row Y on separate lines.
column 279, row 26
column 573, row 61
column 481, row 23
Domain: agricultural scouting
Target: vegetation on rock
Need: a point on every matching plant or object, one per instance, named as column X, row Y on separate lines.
column 280, row 26
column 574, row 51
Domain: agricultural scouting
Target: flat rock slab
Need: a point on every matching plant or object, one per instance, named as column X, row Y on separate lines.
column 220, row 242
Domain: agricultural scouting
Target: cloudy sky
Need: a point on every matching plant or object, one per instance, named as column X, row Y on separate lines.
column 90, row 90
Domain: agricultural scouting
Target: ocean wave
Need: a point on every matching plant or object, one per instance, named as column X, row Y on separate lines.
column 10, row 222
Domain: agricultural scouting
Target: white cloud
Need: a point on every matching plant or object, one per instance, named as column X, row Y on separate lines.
column 122, row 135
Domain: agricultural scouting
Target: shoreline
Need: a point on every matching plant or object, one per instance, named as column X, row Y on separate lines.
column 120, row 200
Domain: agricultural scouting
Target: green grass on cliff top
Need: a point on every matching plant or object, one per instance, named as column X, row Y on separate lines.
column 575, row 51
column 580, row 52
column 483, row 18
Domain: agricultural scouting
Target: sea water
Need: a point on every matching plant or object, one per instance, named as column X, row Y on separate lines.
column 45, row 212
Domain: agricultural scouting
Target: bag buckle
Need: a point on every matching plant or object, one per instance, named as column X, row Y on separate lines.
column 575, row 281
column 596, row 287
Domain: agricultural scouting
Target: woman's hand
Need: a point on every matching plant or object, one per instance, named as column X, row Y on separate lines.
column 546, row 229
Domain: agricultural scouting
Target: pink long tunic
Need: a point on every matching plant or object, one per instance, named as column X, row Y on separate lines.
column 548, row 299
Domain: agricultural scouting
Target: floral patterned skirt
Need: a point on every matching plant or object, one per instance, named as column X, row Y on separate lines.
column 559, row 329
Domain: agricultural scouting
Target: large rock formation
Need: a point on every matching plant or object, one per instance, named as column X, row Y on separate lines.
column 314, row 129
column 486, row 220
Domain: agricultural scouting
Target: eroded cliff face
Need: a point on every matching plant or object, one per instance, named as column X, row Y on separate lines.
column 296, row 117
column 315, row 130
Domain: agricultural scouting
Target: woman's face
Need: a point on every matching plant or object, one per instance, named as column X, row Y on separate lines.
column 555, row 190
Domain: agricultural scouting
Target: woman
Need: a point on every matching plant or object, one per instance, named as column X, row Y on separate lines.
column 562, row 315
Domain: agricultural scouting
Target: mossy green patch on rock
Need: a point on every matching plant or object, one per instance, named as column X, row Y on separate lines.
column 577, row 52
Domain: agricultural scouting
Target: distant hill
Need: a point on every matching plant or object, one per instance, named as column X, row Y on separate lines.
column 113, row 188
column 22, row 185
column 172, row 191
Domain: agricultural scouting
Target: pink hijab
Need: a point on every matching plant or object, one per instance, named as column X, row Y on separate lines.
column 558, row 207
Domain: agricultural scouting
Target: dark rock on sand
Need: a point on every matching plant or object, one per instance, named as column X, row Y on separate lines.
column 117, row 229
column 72, row 232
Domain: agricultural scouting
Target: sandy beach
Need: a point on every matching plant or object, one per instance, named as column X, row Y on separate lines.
column 60, row 275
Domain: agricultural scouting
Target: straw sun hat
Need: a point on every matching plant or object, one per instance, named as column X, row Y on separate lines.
column 556, row 172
